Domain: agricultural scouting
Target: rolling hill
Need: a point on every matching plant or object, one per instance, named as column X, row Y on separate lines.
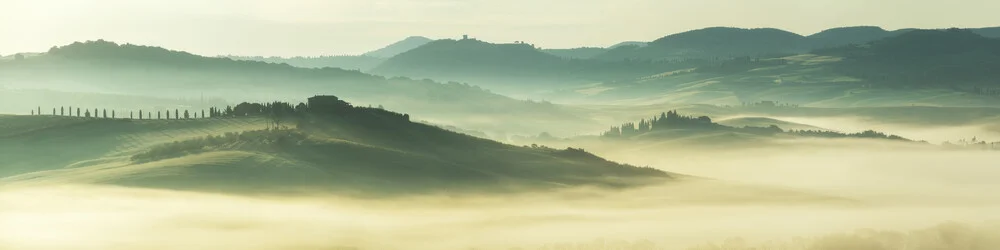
column 837, row 37
column 332, row 149
column 712, row 42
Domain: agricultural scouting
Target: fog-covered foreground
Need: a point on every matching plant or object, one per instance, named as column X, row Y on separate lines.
column 923, row 199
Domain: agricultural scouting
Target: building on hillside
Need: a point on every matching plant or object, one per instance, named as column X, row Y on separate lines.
column 465, row 37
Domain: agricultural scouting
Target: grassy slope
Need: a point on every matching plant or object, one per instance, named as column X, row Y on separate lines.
column 35, row 143
column 335, row 157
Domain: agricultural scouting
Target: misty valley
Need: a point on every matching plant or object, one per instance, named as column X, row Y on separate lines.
column 853, row 138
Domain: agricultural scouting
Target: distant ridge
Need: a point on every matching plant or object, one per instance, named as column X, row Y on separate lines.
column 737, row 42
column 955, row 57
column 399, row 47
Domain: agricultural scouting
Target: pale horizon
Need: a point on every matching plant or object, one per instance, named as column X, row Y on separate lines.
column 337, row 27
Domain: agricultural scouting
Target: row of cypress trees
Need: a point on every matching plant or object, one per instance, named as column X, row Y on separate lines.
column 103, row 113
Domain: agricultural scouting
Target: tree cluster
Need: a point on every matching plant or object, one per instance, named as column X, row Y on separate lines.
column 280, row 112
column 666, row 120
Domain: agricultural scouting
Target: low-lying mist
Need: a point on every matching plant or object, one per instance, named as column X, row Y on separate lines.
column 809, row 194
column 809, row 198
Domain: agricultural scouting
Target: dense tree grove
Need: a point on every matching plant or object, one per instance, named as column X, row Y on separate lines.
column 278, row 113
column 666, row 120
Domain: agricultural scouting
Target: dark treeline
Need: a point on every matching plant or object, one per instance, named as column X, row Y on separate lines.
column 281, row 112
column 673, row 120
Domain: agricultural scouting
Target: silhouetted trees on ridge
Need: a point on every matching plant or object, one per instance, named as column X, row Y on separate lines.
column 666, row 120
column 276, row 112
column 673, row 120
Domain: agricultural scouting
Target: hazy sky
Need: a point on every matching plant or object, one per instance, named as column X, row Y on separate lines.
column 325, row 27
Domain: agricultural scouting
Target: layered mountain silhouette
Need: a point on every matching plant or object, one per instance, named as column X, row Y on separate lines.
column 514, row 63
column 98, row 66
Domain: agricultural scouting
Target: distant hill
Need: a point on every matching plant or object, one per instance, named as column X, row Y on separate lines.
column 510, row 64
column 738, row 42
column 954, row 57
column 103, row 67
column 362, row 63
column 629, row 43
column 847, row 35
column 333, row 148
column 576, row 53
column 399, row 47
column 471, row 57
column 713, row 42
